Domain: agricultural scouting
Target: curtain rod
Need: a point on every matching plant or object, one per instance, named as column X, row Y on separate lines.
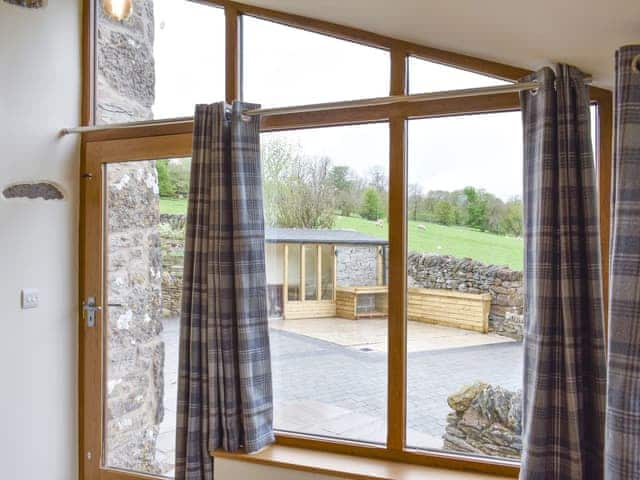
column 366, row 102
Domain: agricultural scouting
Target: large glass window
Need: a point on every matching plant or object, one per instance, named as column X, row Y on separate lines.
column 293, row 272
column 162, row 61
column 289, row 66
column 465, row 296
column 325, row 193
column 327, row 253
column 311, row 274
column 426, row 76
column 326, row 206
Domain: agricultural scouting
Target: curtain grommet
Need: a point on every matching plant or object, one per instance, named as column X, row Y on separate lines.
column 635, row 64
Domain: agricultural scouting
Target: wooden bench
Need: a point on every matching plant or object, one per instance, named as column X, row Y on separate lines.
column 469, row 311
column 347, row 302
column 450, row 308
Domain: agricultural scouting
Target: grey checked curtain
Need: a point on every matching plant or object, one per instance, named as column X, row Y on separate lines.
column 622, row 452
column 564, row 387
column 224, row 378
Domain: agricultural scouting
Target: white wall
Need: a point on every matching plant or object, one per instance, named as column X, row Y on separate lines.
column 39, row 94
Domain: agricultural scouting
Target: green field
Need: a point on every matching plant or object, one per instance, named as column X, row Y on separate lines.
column 173, row 205
column 456, row 241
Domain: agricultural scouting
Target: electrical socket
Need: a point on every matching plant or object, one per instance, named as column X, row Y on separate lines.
column 30, row 298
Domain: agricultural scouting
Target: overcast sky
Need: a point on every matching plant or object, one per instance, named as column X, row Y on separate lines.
column 285, row 66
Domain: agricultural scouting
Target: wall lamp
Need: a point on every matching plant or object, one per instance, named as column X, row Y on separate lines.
column 118, row 9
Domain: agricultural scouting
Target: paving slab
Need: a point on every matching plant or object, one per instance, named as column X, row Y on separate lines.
column 371, row 333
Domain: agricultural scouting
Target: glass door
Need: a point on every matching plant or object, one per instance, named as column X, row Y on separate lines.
column 134, row 216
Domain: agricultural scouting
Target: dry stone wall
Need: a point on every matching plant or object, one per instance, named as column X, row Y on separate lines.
column 125, row 78
column 486, row 420
column 505, row 285
column 172, row 238
column 356, row 266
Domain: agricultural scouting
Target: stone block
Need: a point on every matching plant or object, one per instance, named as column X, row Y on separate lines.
column 486, row 420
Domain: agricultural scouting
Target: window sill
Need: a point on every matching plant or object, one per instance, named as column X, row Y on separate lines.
column 347, row 466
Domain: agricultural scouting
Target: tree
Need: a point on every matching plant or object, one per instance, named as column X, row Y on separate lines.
column 512, row 219
column 377, row 179
column 371, row 205
column 476, row 209
column 444, row 213
column 347, row 189
column 298, row 191
column 415, row 199
column 380, row 183
column 173, row 177
column 164, row 181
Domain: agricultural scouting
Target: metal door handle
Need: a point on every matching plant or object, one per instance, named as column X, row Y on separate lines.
column 89, row 309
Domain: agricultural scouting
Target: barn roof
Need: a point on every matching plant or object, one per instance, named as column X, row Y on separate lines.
column 309, row 235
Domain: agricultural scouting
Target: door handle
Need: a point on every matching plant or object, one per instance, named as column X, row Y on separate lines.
column 89, row 309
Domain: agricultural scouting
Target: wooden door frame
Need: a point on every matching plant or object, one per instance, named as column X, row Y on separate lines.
column 92, row 275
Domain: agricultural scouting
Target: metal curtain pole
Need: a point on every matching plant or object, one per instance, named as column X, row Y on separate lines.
column 367, row 102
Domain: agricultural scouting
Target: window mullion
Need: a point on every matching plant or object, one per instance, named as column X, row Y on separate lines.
column 397, row 327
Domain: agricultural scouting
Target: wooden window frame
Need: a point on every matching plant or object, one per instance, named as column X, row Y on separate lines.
column 147, row 142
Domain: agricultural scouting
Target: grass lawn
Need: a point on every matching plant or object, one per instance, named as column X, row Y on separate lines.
column 173, row 205
column 456, row 241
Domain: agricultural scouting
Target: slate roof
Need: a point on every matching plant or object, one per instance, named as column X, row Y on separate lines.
column 309, row 235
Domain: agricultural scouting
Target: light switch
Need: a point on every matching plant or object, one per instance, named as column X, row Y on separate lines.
column 30, row 298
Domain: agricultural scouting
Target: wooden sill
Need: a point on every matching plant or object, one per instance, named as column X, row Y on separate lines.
column 346, row 466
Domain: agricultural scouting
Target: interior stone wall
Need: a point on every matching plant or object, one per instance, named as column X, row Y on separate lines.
column 125, row 76
column 125, row 87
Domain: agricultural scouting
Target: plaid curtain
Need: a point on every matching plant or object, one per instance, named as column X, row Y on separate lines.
column 564, row 385
column 622, row 451
column 224, row 379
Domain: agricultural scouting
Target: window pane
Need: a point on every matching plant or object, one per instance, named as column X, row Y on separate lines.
column 327, row 271
column 146, row 206
column 328, row 187
column 310, row 272
column 289, row 66
column 425, row 76
column 465, row 297
column 293, row 281
column 160, row 63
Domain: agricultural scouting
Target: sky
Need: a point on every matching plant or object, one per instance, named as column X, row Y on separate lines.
column 285, row 66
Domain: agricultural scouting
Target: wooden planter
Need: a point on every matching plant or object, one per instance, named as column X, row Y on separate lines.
column 469, row 311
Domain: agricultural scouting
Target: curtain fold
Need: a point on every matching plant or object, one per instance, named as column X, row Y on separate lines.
column 622, row 451
column 224, row 378
column 564, row 385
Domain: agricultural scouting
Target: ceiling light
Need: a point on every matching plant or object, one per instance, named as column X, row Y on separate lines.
column 118, row 9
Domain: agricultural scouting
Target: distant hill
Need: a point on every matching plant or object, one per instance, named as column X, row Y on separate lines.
column 424, row 237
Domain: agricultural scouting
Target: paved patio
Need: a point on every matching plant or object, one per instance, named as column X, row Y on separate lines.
column 372, row 334
column 330, row 377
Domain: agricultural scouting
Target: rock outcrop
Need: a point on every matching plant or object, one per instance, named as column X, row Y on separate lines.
column 486, row 420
